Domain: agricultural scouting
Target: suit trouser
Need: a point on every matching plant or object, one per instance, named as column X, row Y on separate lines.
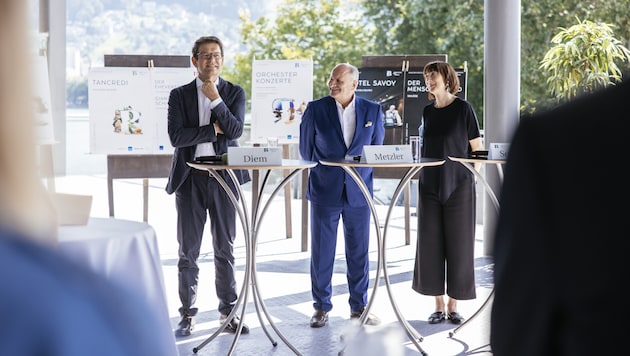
column 446, row 243
column 198, row 196
column 356, row 227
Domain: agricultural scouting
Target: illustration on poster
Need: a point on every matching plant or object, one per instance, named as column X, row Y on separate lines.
column 284, row 110
column 132, row 125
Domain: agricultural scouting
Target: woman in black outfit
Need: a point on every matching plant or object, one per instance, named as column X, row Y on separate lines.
column 446, row 205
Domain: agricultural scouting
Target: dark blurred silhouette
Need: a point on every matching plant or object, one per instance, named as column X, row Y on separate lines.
column 561, row 241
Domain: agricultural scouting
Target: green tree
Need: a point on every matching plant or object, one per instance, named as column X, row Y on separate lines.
column 326, row 31
column 451, row 27
column 583, row 59
column 539, row 23
column 456, row 28
column 329, row 31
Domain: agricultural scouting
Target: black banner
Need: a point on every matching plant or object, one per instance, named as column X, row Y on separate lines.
column 406, row 91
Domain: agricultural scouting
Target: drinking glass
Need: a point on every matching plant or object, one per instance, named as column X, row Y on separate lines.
column 414, row 141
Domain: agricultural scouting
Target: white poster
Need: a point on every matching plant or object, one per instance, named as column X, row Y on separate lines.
column 280, row 91
column 128, row 108
column 164, row 80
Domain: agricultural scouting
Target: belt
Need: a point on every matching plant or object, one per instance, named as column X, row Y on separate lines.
column 199, row 172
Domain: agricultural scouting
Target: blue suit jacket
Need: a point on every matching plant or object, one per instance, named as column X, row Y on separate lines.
column 321, row 138
column 185, row 133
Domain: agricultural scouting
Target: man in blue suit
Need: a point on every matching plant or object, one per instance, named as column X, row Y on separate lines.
column 334, row 127
column 205, row 116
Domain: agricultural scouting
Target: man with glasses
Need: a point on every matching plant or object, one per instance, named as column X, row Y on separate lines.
column 205, row 116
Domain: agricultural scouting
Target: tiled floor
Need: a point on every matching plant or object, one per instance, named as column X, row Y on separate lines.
column 284, row 284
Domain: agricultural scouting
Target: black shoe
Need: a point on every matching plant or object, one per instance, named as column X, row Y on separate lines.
column 185, row 326
column 370, row 319
column 437, row 317
column 232, row 325
column 319, row 319
column 455, row 318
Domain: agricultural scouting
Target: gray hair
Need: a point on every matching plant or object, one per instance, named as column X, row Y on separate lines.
column 354, row 71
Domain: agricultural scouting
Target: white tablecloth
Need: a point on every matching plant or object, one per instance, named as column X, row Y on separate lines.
column 126, row 252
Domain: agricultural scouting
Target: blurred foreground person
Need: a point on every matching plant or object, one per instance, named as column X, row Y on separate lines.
column 49, row 305
column 561, row 241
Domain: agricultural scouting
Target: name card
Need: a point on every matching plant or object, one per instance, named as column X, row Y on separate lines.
column 498, row 151
column 254, row 156
column 386, row 154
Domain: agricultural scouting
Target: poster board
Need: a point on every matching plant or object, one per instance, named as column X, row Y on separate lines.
column 280, row 91
column 128, row 107
column 130, row 164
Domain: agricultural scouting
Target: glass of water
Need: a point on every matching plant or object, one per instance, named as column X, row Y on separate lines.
column 414, row 141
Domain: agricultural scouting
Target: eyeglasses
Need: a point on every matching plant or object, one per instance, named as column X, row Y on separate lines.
column 209, row 56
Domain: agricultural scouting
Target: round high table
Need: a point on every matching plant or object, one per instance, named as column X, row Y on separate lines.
column 125, row 252
column 469, row 164
column 250, row 221
column 350, row 166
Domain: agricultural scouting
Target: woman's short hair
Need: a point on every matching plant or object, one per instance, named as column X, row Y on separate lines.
column 447, row 72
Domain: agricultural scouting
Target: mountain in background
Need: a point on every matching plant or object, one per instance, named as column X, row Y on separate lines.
column 162, row 27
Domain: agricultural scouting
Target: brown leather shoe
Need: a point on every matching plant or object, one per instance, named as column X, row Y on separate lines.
column 370, row 319
column 319, row 319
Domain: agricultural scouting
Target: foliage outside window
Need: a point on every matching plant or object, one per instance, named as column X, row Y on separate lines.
column 583, row 60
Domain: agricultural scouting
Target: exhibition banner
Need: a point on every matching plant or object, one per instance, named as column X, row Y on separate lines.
column 128, row 108
column 281, row 89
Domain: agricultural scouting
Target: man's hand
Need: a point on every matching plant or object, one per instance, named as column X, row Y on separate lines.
column 217, row 128
column 210, row 90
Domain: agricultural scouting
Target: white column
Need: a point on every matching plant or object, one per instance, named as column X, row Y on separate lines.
column 502, row 65
column 52, row 19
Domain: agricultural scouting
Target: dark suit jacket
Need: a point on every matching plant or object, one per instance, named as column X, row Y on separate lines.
column 185, row 133
column 562, row 235
column 321, row 138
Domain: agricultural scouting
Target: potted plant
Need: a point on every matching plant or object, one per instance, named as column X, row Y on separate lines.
column 583, row 59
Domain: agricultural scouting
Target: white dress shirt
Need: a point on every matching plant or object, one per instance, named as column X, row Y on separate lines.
column 205, row 111
column 348, row 120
